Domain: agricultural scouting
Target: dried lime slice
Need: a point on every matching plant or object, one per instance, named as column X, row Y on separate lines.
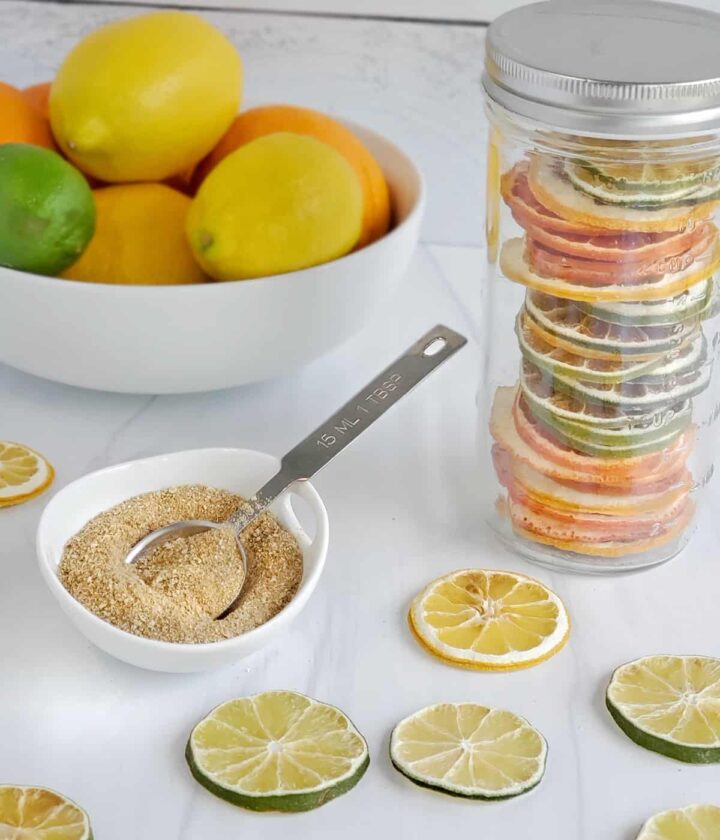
column 468, row 750
column 628, row 440
column 557, row 361
column 649, row 196
column 696, row 822
column 695, row 304
column 670, row 705
column 542, row 391
column 277, row 751
column 34, row 813
column 586, row 334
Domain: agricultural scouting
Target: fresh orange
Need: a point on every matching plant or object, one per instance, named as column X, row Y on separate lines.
column 39, row 97
column 20, row 122
column 139, row 238
column 270, row 119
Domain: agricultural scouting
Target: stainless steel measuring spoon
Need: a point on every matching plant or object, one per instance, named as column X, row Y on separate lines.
column 319, row 448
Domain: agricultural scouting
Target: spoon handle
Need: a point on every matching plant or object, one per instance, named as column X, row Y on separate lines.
column 358, row 414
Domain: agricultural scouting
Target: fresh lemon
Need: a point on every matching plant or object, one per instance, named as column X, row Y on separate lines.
column 490, row 620
column 696, row 822
column 24, row 474
column 47, row 215
column 670, row 705
column 34, row 813
column 145, row 98
column 280, row 203
column 140, row 238
column 277, row 751
column 468, row 750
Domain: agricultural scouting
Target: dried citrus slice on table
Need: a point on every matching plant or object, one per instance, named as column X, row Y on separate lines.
column 670, row 705
column 34, row 813
column 24, row 473
column 277, row 751
column 696, row 822
column 468, row 750
column 490, row 620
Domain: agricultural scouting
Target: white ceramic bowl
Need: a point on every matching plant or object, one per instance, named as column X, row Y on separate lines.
column 242, row 471
column 180, row 339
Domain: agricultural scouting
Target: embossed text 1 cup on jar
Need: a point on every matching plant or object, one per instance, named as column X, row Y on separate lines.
column 599, row 397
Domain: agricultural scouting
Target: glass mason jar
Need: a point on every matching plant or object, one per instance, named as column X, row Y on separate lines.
column 599, row 398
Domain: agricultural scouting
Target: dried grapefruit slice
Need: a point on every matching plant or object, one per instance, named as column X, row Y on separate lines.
column 554, row 191
column 553, row 494
column 592, row 527
column 24, row 474
column 527, row 210
column 626, row 247
column 514, row 265
column 605, row 531
column 617, row 548
column 558, row 496
column 586, row 270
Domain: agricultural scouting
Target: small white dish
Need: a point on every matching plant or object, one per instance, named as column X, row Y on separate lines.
column 183, row 339
column 241, row 471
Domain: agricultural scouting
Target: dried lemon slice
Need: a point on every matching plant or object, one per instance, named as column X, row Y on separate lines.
column 468, row 750
column 670, row 705
column 39, row 814
column 277, row 751
column 24, row 474
column 490, row 620
column 696, row 822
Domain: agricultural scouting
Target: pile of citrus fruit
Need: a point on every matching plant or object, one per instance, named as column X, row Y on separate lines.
column 134, row 166
column 617, row 258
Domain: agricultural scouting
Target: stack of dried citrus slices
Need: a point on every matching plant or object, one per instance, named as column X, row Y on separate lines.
column 618, row 262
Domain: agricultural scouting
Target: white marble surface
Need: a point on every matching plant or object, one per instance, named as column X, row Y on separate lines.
column 403, row 505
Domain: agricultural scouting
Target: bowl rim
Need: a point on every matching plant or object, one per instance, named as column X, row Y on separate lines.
column 203, row 288
column 307, row 585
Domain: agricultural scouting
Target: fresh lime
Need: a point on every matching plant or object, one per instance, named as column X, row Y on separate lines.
column 670, row 705
column 468, row 750
column 277, row 751
column 47, row 213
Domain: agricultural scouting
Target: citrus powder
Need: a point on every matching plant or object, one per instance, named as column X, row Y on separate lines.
column 175, row 593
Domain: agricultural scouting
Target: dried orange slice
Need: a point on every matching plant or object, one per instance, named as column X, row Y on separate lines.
column 24, row 474
column 556, row 193
column 489, row 620
column 514, row 265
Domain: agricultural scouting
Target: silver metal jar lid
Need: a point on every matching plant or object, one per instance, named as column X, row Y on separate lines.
column 625, row 67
